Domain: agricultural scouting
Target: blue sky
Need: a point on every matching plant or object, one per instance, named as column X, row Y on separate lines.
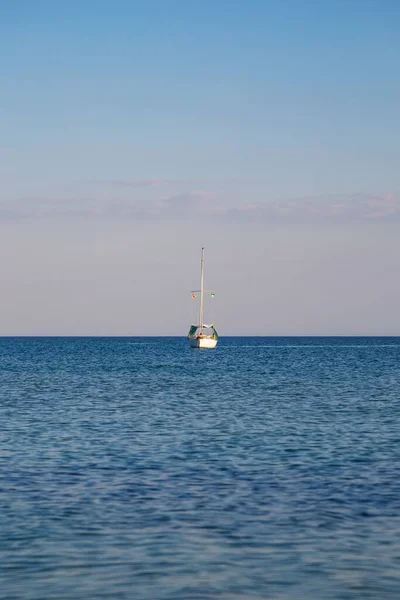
column 138, row 111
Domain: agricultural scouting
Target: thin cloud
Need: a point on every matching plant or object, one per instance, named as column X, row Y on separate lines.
column 337, row 208
column 152, row 183
column 202, row 204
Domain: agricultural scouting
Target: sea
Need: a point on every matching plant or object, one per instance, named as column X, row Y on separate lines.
column 138, row 468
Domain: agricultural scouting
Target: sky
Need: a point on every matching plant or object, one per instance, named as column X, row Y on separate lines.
column 133, row 133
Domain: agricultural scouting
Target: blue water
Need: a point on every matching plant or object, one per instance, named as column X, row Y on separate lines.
column 136, row 468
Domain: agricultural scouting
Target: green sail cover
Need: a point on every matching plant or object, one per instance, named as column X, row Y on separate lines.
column 192, row 330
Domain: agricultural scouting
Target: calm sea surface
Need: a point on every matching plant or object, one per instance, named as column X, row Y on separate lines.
column 136, row 468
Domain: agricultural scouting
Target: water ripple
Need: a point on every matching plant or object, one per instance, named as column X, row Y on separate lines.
column 138, row 468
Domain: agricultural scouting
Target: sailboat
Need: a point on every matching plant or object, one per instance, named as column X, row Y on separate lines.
column 202, row 335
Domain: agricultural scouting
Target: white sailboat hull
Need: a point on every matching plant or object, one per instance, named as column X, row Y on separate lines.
column 202, row 342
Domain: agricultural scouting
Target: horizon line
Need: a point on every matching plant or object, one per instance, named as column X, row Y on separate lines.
column 126, row 336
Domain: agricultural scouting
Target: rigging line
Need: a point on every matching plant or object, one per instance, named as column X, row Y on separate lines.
column 194, row 311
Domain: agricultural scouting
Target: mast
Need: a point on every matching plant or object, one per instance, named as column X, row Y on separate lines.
column 202, row 292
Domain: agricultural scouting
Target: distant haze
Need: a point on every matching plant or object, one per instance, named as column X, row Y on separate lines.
column 125, row 278
column 133, row 135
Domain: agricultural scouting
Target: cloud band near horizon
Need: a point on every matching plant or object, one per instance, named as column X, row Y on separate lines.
column 200, row 204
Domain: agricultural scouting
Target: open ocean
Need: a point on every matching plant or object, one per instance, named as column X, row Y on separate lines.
column 137, row 468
